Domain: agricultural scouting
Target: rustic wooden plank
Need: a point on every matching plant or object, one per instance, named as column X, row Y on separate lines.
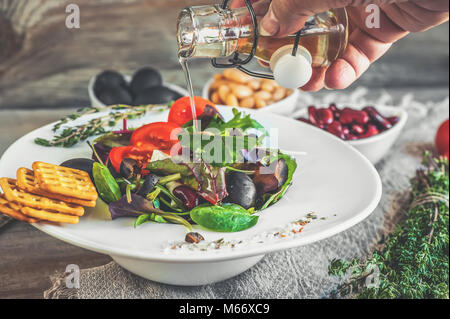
column 44, row 64
column 29, row 257
column 53, row 65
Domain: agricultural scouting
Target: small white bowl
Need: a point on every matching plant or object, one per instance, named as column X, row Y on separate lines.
column 377, row 146
column 283, row 107
column 95, row 102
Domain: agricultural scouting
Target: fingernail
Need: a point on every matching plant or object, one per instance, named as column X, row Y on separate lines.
column 269, row 24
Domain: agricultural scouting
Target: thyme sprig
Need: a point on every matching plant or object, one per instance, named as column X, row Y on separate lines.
column 413, row 262
column 71, row 135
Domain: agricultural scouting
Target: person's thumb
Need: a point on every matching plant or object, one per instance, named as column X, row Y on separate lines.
column 286, row 17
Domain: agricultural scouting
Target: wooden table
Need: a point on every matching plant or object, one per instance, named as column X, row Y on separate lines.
column 45, row 68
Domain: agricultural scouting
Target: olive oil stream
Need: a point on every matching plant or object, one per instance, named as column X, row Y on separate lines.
column 187, row 74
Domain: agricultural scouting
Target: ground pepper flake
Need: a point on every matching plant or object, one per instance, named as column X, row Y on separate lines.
column 290, row 230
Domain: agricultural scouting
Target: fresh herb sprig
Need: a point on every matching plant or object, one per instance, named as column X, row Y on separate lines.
column 71, row 135
column 413, row 262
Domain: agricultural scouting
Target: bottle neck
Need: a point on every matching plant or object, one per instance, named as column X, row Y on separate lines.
column 210, row 31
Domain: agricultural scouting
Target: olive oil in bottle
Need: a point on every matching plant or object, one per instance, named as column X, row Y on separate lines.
column 213, row 32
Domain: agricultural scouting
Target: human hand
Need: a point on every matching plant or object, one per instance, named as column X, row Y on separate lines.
column 366, row 45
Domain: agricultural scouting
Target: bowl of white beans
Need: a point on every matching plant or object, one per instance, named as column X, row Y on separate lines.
column 235, row 88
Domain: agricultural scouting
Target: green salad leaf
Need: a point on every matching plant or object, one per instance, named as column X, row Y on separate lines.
column 145, row 218
column 168, row 166
column 239, row 121
column 107, row 186
column 223, row 218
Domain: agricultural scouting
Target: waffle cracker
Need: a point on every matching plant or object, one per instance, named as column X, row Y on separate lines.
column 17, row 195
column 65, row 181
column 50, row 216
column 14, row 210
column 27, row 181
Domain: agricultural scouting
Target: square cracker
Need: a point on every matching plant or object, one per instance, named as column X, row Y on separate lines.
column 65, row 181
column 50, row 216
column 14, row 194
column 14, row 210
column 27, row 181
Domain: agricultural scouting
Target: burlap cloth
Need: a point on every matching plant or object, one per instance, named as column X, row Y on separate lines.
column 300, row 272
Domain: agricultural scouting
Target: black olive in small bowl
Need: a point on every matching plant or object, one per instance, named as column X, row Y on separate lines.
column 145, row 87
column 115, row 95
column 156, row 95
column 109, row 79
column 145, row 78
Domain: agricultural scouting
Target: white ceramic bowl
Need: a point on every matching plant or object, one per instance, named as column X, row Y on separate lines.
column 283, row 107
column 95, row 102
column 343, row 191
column 375, row 147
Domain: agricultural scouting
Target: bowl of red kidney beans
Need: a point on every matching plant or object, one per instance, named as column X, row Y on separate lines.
column 370, row 129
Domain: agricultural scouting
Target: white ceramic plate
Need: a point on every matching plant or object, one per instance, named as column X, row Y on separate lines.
column 333, row 180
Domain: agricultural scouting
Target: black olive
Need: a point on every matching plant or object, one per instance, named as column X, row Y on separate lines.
column 145, row 78
column 115, row 95
column 187, row 195
column 281, row 172
column 156, row 95
column 149, row 185
column 265, row 183
column 82, row 164
column 241, row 189
column 272, row 178
column 109, row 79
column 129, row 168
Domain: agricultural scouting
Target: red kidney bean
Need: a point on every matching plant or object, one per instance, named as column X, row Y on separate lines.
column 349, row 124
column 371, row 131
column 393, row 120
column 301, row 119
column 336, row 129
column 188, row 196
column 358, row 129
column 312, row 112
column 349, row 116
column 345, row 130
column 324, row 116
column 378, row 119
column 333, row 107
column 335, row 110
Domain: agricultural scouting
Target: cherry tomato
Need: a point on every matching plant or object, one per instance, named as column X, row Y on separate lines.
column 160, row 135
column 181, row 113
column 442, row 139
column 141, row 154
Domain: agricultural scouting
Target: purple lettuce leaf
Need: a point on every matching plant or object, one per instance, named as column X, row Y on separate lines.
column 210, row 180
column 138, row 206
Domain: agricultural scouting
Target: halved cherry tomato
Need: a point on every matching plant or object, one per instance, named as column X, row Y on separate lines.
column 442, row 139
column 181, row 113
column 154, row 136
column 161, row 135
column 142, row 154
